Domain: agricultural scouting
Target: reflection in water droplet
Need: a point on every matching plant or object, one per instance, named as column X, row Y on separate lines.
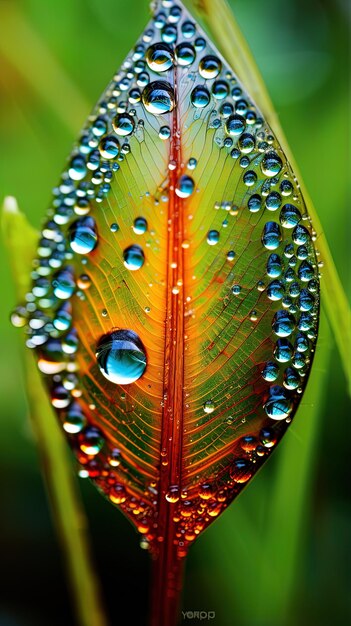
column 185, row 187
column 209, row 406
column 158, row 98
column 289, row 216
column 159, row 57
column 74, row 420
column 133, row 258
column 278, row 405
column 77, row 169
column 272, row 236
column 123, row 124
column 270, row 371
column 109, row 147
column 165, row 132
column 140, row 225
column 283, row 324
column 271, row 164
column 185, row 54
column 212, row 237
column 63, row 284
column 82, row 235
column 209, row 67
column 200, row 97
column 121, row 357
column 241, row 471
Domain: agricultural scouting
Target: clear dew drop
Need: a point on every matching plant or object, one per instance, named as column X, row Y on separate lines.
column 235, row 125
column 158, row 97
column 185, row 187
column 109, row 147
column 83, row 236
column 200, row 97
column 123, row 125
column 271, row 237
column 140, row 225
column 212, row 237
column 185, row 54
column 63, row 284
column 164, row 133
column 121, row 357
column 271, row 164
column 278, row 405
column 74, row 420
column 290, row 216
column 209, row 406
column 209, row 67
column 160, row 57
column 77, row 169
column 133, row 258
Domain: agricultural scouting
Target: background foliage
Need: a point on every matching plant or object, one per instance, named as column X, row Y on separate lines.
column 281, row 554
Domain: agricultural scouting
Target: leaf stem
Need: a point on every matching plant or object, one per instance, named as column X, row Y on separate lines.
column 166, row 585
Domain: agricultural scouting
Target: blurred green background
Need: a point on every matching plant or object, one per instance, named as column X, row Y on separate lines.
column 281, row 555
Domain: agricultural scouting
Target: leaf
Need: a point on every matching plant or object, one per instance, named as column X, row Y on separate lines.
column 175, row 301
column 21, row 240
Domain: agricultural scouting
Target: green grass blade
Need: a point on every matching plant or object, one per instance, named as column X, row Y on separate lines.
column 21, row 240
column 220, row 22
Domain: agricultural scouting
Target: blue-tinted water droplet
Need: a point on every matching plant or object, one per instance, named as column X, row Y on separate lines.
column 109, row 147
column 235, row 125
column 74, row 420
column 273, row 201
column 278, row 405
column 220, row 89
column 270, row 371
column 272, row 236
column 164, row 132
column 212, row 237
column 185, row 187
column 300, row 235
column 78, row 168
column 63, row 284
column 121, row 357
column 158, row 97
column 289, row 216
column 209, row 67
column 271, row 164
column 188, row 29
column 185, row 54
column 254, row 204
column 301, row 343
column 123, row 124
column 159, row 57
column 83, row 236
column 275, row 290
column 283, row 351
column 306, row 300
column 246, row 143
column 200, row 97
column 305, row 271
column 283, row 324
column 133, row 257
column 114, row 228
column 274, row 266
column 91, row 441
column 291, row 378
column 140, row 225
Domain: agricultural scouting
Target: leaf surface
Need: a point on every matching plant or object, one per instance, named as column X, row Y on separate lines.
column 175, row 299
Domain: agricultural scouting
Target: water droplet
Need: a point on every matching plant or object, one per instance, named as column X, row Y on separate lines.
column 236, row 290
column 289, row 216
column 83, row 236
column 121, row 357
column 291, row 378
column 278, row 405
column 272, row 236
column 235, row 125
column 200, row 97
column 212, row 237
column 268, row 437
column 270, row 371
column 231, row 255
column 274, row 266
column 209, row 67
column 188, row 29
column 271, row 164
column 158, row 98
column 241, row 471
column 109, row 147
column 300, row 235
column 159, row 57
column 114, row 227
column 283, row 351
column 140, row 225
column 185, row 54
column 133, row 258
column 209, row 406
column 246, row 143
column 192, row 163
column 248, row 443
column 275, row 290
column 283, row 324
column 123, row 124
column 305, row 271
column 77, row 169
column 172, row 496
column 63, row 284
column 273, row 201
column 185, row 187
column 164, row 133
column 117, row 494
column 74, row 420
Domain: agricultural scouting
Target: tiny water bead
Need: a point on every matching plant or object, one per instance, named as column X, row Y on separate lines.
column 209, row 406
column 159, row 57
column 133, row 258
column 236, row 290
column 158, row 97
column 123, row 124
column 140, row 225
column 212, row 237
column 278, row 405
column 83, row 236
column 164, row 132
column 121, row 357
column 209, row 67
column 200, row 97
column 185, row 187
column 271, row 164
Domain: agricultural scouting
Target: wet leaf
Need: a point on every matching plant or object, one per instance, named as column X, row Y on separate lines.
column 175, row 300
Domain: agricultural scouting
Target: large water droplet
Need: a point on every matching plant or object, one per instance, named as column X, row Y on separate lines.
column 212, row 237
column 283, row 324
column 200, row 97
column 140, row 225
column 158, row 97
column 271, row 164
column 83, row 236
column 121, row 357
column 278, row 405
column 185, row 54
column 159, row 57
column 185, row 187
column 109, row 147
column 209, row 67
column 123, row 124
column 133, row 257
column 289, row 216
column 272, row 236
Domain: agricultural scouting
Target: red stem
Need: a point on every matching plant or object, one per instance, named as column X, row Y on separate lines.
column 167, row 584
